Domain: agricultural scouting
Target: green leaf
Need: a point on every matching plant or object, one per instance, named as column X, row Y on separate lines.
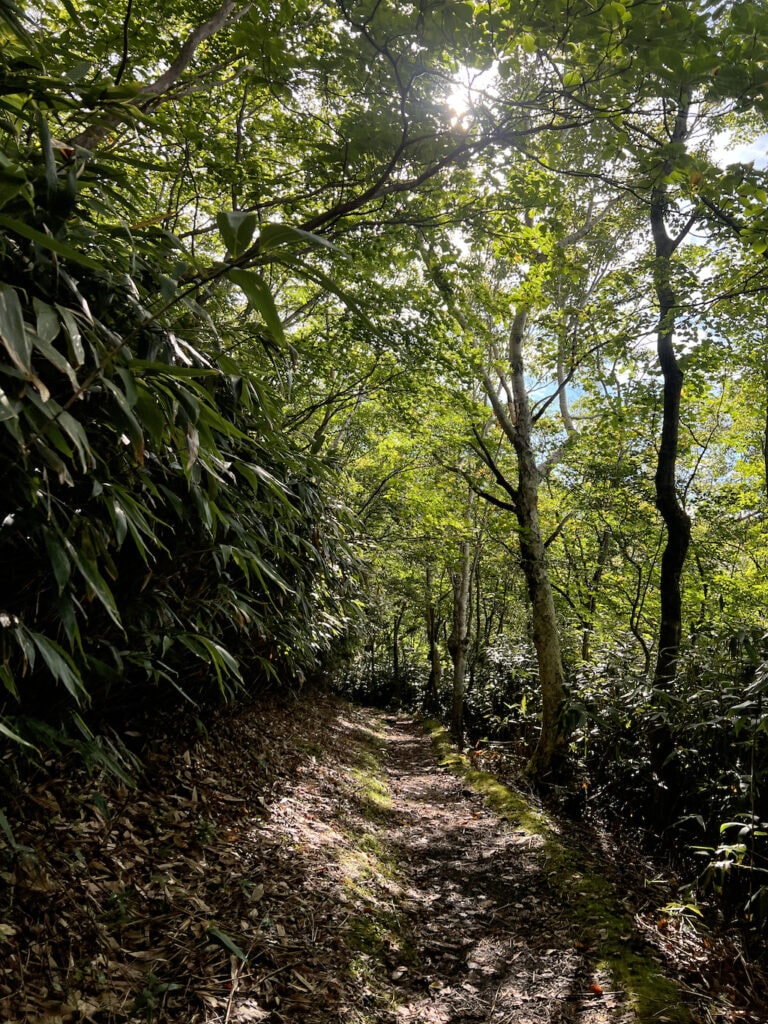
column 15, row 737
column 47, row 242
column 147, row 368
column 8, row 410
column 260, row 297
column 12, row 331
column 223, row 662
column 616, row 13
column 237, row 229
column 272, row 235
column 193, row 446
column 55, row 358
column 224, row 940
column 96, row 582
column 49, row 161
column 74, row 429
column 150, row 414
column 270, row 573
column 80, row 71
column 60, row 562
column 72, row 11
column 48, row 325
column 73, row 333
column 6, row 677
column 320, row 277
column 60, row 665
column 134, row 428
column 5, row 826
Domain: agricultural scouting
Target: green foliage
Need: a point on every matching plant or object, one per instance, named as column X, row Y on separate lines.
column 161, row 537
column 235, row 306
column 718, row 754
column 503, row 696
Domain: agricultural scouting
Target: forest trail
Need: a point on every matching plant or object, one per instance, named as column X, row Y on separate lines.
column 315, row 863
column 487, row 936
column 457, row 914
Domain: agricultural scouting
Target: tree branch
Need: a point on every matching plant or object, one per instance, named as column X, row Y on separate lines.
column 490, row 462
column 149, row 93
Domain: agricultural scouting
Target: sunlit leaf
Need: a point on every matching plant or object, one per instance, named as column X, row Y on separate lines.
column 237, row 229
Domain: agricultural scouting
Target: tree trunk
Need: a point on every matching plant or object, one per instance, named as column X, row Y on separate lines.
column 458, row 641
column 546, row 638
column 594, row 584
column 397, row 683
column 516, row 421
column 517, row 424
column 153, row 91
column 478, row 638
column 674, row 515
column 432, row 695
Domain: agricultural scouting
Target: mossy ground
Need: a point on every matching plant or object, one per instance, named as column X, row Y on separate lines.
column 602, row 923
column 378, row 934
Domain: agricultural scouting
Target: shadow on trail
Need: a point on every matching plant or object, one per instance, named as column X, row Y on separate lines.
column 505, row 926
column 393, row 893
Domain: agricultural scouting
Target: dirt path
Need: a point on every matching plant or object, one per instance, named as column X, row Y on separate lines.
column 314, row 863
column 493, row 944
column 439, row 911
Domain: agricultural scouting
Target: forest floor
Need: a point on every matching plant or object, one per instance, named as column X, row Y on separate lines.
column 327, row 864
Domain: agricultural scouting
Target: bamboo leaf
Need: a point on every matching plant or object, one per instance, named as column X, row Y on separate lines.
column 73, row 332
column 47, row 242
column 60, row 562
column 193, row 446
column 12, row 330
column 146, row 367
column 6, row 677
column 6, row 731
column 8, row 410
column 224, row 940
column 49, row 161
column 48, row 325
column 54, row 357
column 96, row 582
column 260, row 297
column 60, row 665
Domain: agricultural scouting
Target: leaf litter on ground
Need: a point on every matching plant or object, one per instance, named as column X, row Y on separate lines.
column 326, row 868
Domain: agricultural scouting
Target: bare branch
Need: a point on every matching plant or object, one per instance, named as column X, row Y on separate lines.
column 151, row 92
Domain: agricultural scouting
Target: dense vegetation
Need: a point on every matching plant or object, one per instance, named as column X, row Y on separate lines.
column 423, row 343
